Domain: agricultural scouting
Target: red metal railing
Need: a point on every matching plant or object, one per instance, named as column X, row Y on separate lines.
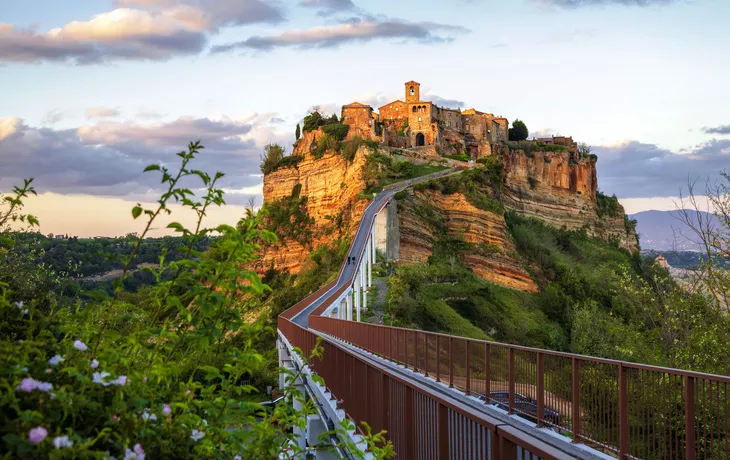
column 624, row 409
column 419, row 423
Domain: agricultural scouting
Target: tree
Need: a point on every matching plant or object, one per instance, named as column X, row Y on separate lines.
column 273, row 154
column 518, row 131
column 297, row 132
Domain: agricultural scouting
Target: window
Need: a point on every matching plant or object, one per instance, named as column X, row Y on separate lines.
column 412, row 90
column 419, row 118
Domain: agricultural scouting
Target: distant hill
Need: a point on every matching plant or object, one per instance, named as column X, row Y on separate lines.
column 664, row 231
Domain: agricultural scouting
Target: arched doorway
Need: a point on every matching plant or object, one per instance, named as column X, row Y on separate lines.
column 420, row 139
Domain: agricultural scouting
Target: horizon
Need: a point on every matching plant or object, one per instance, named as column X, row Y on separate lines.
column 85, row 113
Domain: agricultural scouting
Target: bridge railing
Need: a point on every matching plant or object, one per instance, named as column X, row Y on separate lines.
column 624, row 409
column 419, row 422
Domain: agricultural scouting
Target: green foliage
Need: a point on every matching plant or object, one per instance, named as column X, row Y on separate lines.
column 337, row 130
column 349, row 148
column 288, row 219
column 402, row 130
column 274, row 158
column 326, row 143
column 458, row 157
column 297, row 132
column 518, row 131
column 481, row 186
column 608, row 206
column 382, row 169
column 532, row 181
column 162, row 375
column 315, row 120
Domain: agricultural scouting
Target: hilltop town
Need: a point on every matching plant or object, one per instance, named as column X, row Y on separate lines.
column 418, row 123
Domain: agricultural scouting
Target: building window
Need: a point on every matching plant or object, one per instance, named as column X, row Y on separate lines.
column 419, row 118
column 412, row 91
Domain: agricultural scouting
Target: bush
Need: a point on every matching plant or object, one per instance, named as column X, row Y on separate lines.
column 458, row 157
column 337, row 130
column 160, row 378
column 324, row 144
column 608, row 206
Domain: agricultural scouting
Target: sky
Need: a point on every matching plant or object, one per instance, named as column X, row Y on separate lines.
column 95, row 90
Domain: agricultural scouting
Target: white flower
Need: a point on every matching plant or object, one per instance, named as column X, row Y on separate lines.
column 205, row 422
column 98, row 377
column 136, row 454
column 79, row 345
column 197, row 435
column 94, row 364
column 121, row 380
column 147, row 416
column 237, row 457
column 19, row 304
column 53, row 395
column 25, row 311
column 55, row 360
column 62, row 441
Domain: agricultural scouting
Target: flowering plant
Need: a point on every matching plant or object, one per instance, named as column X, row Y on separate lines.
column 112, row 379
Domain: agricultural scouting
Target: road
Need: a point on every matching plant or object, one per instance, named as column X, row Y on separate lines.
column 347, row 272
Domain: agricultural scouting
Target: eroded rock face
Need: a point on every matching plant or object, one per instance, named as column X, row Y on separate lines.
column 491, row 256
column 560, row 191
column 331, row 185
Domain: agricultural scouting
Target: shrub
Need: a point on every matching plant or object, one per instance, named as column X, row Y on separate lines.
column 458, row 157
column 607, row 205
column 337, row 130
column 160, row 378
column 532, row 181
column 324, row 144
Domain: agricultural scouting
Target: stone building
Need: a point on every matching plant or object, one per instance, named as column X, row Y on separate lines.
column 414, row 122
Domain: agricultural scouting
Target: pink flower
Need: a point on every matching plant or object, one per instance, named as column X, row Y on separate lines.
column 55, row 360
column 37, row 434
column 94, row 364
column 166, row 409
column 79, row 345
column 136, row 454
column 144, row 379
column 29, row 384
column 121, row 380
column 187, row 392
column 115, row 417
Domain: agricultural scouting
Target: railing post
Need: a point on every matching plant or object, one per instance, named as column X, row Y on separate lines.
column 451, row 362
column 386, row 403
column 576, row 399
column 623, row 412
column 540, row 383
column 511, row 391
column 438, row 358
column 487, row 375
column 425, row 348
column 443, row 431
column 409, row 422
column 689, row 417
column 468, row 368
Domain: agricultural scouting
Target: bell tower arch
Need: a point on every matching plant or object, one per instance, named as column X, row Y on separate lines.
column 413, row 91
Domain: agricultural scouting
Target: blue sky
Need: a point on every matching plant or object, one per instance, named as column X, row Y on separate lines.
column 121, row 84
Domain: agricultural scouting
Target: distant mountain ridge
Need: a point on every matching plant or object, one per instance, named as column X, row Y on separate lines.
column 665, row 231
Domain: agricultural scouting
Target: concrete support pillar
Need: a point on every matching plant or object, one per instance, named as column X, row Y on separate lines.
column 300, row 437
column 358, row 286
column 371, row 260
column 374, row 239
column 315, row 428
column 349, row 306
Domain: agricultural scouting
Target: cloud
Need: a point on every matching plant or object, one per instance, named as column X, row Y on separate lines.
column 149, row 115
column 52, row 117
column 582, row 3
column 107, row 158
column 638, row 170
column 444, row 103
column 355, row 30
column 722, row 129
column 329, row 7
column 138, row 30
column 102, row 112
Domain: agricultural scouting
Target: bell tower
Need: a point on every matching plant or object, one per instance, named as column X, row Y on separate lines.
column 413, row 91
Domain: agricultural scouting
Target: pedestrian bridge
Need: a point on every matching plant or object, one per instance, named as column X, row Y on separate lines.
column 447, row 397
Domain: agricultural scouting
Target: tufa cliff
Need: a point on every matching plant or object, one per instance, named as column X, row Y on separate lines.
column 317, row 198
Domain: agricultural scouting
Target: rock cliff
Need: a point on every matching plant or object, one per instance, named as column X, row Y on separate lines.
column 424, row 214
column 330, row 185
column 561, row 190
column 557, row 187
